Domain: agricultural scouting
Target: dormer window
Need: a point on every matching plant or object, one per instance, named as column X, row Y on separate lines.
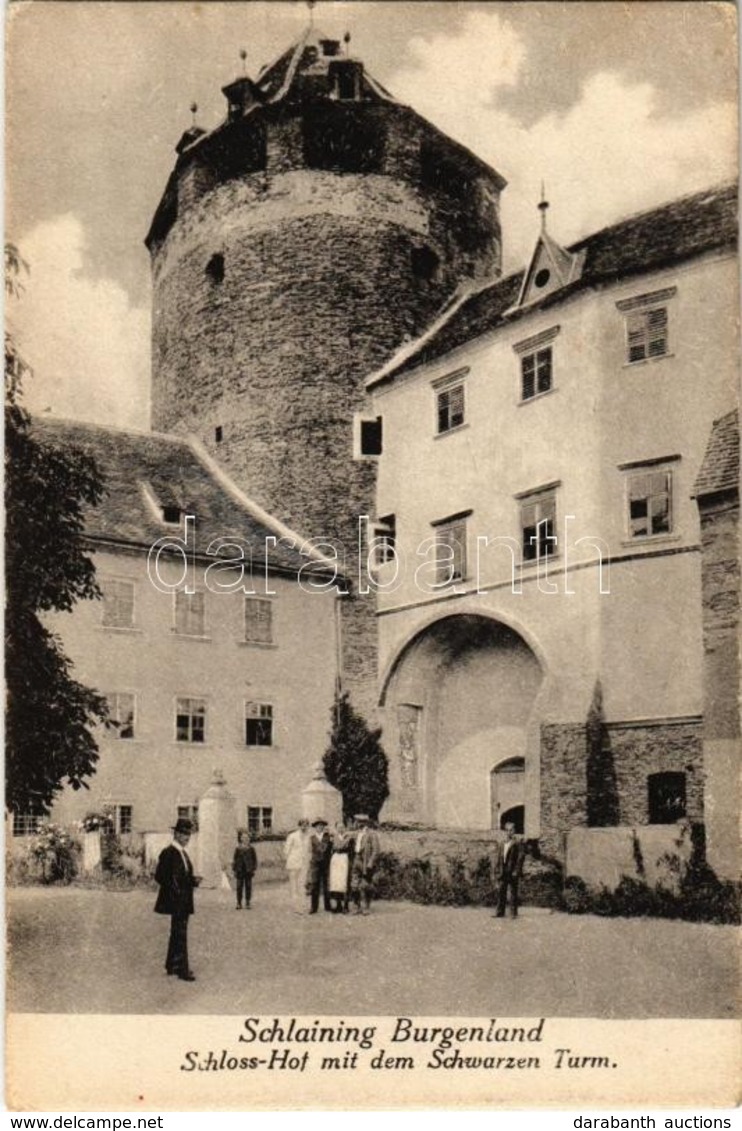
column 171, row 515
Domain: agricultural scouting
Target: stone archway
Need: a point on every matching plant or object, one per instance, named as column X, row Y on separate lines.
column 458, row 703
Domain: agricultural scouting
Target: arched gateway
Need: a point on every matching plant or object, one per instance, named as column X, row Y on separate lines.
column 461, row 726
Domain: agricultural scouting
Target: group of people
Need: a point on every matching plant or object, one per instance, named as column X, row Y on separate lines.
column 335, row 868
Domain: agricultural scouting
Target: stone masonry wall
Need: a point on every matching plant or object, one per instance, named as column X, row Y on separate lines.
column 630, row 753
column 721, row 607
column 564, row 749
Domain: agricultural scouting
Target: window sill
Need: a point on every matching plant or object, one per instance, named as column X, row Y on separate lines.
column 536, row 397
column 534, row 563
column 191, row 636
column 255, row 644
column 253, row 748
column 647, row 361
column 650, row 540
column 451, row 431
column 183, row 744
column 121, row 630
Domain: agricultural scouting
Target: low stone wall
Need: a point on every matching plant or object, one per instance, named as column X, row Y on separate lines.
column 601, row 857
column 437, row 845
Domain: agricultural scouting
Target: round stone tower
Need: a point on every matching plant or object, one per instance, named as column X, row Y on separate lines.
column 296, row 246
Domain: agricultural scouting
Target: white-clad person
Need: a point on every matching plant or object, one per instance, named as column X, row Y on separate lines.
column 297, row 854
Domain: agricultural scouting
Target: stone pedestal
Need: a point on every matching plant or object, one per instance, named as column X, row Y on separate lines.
column 217, row 832
column 320, row 800
column 91, row 851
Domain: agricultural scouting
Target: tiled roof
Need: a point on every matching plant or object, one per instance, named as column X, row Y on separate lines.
column 720, row 467
column 685, row 228
column 143, row 471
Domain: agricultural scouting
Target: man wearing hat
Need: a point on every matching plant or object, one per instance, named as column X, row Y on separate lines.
column 319, row 866
column 367, row 850
column 174, row 874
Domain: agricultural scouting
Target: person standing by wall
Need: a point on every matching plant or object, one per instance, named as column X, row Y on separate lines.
column 367, row 848
column 507, row 869
column 296, row 852
column 244, row 866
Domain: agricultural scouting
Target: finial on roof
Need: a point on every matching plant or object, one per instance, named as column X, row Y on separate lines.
column 346, row 41
column 310, row 5
column 543, row 207
column 194, row 111
column 243, row 57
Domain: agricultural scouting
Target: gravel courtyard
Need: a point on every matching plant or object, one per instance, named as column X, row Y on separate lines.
column 87, row 951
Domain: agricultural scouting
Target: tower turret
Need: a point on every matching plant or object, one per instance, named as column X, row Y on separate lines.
column 295, row 247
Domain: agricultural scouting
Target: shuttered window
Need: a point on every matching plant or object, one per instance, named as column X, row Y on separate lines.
column 190, row 613
column 450, row 408
column 118, row 604
column 646, row 334
column 121, row 705
column 450, row 545
column 535, row 371
column 258, row 621
column 650, row 503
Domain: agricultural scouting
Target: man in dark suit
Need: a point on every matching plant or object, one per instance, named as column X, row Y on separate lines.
column 175, row 876
column 507, row 869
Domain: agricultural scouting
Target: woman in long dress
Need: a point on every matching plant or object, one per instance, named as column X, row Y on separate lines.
column 340, row 861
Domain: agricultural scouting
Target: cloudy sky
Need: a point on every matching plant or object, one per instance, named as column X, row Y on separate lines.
column 616, row 106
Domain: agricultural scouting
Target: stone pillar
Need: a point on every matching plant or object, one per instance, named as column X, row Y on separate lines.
column 91, row 851
column 217, row 832
column 320, row 800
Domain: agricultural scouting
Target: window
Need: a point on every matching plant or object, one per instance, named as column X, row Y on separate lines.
column 536, row 363
column 450, row 403
column 258, row 621
column 538, row 525
column 386, row 539
column 647, row 327
column 258, row 724
column 535, row 373
column 215, row 268
column 450, row 545
column 118, row 604
column 369, row 436
column 121, row 704
column 123, row 818
column 425, row 263
column 218, row 434
column 190, row 720
column 259, row 819
column 646, row 334
column 189, row 813
column 666, row 798
column 650, row 503
column 190, row 613
column 27, row 824
column 171, row 515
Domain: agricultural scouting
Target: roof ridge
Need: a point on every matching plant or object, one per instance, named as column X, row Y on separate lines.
column 99, row 426
column 255, row 510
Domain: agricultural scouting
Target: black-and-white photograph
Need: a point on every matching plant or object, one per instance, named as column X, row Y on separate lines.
column 372, row 526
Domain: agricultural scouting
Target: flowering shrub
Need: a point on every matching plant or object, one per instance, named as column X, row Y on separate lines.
column 54, row 852
column 97, row 822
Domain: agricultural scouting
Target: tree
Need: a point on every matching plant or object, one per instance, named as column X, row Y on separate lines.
column 49, row 714
column 355, row 762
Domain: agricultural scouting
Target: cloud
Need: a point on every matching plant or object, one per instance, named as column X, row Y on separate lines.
column 609, row 155
column 87, row 345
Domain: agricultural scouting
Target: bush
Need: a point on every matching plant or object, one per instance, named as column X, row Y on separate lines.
column 52, row 855
column 709, row 901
